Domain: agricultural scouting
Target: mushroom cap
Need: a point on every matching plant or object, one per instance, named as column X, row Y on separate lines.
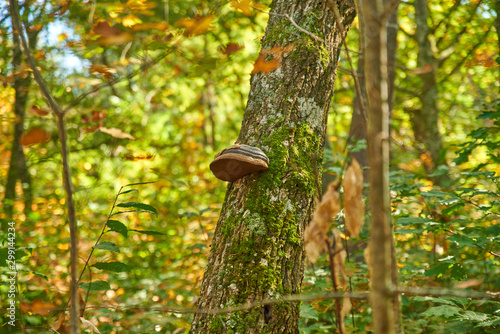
column 237, row 161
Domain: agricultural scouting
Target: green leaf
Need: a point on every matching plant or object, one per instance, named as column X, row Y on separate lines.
column 412, row 220
column 95, row 286
column 34, row 273
column 462, row 241
column 128, row 191
column 474, row 316
column 4, row 255
column 445, row 311
column 435, row 193
column 116, row 267
column 148, row 232
column 433, row 300
column 458, row 272
column 438, row 270
column 108, row 246
column 140, row 206
column 116, row 226
column 308, row 312
column 134, row 184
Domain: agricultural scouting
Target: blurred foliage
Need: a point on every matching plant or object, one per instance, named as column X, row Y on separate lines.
column 165, row 86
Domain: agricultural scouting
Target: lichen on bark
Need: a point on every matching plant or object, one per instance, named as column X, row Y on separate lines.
column 257, row 251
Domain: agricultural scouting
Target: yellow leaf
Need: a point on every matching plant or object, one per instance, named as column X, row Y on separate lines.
column 196, row 26
column 130, row 21
column 243, row 6
column 151, row 25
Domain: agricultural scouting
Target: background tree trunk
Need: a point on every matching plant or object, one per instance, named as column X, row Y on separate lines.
column 18, row 169
column 257, row 251
column 377, row 89
column 425, row 119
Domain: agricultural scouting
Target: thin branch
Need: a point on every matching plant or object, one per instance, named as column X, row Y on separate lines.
column 56, row 109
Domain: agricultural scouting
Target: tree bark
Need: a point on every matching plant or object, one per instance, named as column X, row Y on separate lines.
column 425, row 119
column 377, row 89
column 18, row 169
column 257, row 251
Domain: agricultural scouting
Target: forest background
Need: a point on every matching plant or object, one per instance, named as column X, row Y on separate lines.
column 154, row 89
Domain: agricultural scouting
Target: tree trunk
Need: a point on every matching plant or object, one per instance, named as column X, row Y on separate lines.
column 257, row 251
column 359, row 124
column 18, row 169
column 425, row 119
column 377, row 89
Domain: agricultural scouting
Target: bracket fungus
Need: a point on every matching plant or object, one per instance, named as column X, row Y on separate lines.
column 237, row 161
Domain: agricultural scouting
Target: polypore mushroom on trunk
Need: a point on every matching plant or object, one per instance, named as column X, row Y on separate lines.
column 237, row 161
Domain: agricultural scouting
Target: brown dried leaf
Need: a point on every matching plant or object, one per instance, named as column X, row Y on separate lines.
column 37, row 307
column 354, row 207
column 368, row 259
column 105, row 71
column 339, row 257
column 34, row 136
column 346, row 309
column 35, row 110
column 469, row 283
column 117, row 133
column 61, row 325
column 261, row 65
column 90, row 325
column 315, row 235
column 231, row 48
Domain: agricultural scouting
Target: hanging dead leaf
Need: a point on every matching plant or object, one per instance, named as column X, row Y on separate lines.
column 231, row 48
column 34, row 136
column 35, row 110
column 196, row 26
column 354, row 207
column 345, row 311
column 316, row 233
column 368, row 259
column 117, row 133
column 339, row 257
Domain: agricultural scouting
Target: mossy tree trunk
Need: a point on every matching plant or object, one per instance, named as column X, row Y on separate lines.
column 257, row 251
